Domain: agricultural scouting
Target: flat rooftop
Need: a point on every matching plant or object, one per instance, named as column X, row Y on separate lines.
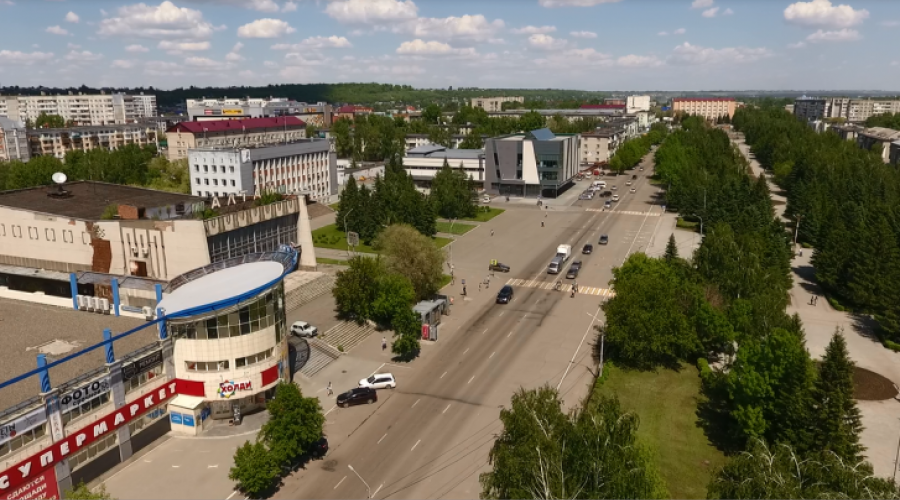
column 89, row 199
column 220, row 285
column 25, row 327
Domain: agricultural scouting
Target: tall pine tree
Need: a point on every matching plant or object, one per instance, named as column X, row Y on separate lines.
column 349, row 206
column 671, row 249
column 837, row 419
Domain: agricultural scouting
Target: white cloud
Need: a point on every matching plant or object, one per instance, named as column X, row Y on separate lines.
column 17, row 58
column 663, row 33
column 371, row 11
column 163, row 68
column 73, row 46
column 289, row 7
column 473, row 27
column 263, row 5
column 83, row 56
column 203, row 63
column 679, row 31
column 823, row 13
column 546, row 42
column 178, row 47
column 166, row 21
column 234, row 55
column 57, row 30
column 323, row 42
column 895, row 63
column 122, row 64
column 728, row 12
column 265, row 28
column 583, row 34
column 573, row 3
column 531, row 30
column 72, row 17
column 136, row 48
column 710, row 12
column 635, row 61
column 420, row 47
column 797, row 45
column 843, row 35
column 701, row 4
column 688, row 54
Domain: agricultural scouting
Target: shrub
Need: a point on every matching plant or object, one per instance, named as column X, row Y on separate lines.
column 836, row 305
column 892, row 345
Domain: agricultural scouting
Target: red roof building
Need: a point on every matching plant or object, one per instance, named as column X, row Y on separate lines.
column 249, row 131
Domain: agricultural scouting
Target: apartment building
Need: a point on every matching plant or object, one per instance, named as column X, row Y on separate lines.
column 635, row 103
column 490, row 104
column 145, row 106
column 232, row 133
column 80, row 109
column 59, row 141
column 350, row 112
column 852, row 110
column 600, row 145
column 318, row 114
column 894, row 154
column 303, row 166
column 710, row 108
column 13, row 140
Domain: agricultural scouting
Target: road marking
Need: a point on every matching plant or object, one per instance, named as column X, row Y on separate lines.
column 377, row 490
column 492, row 355
column 414, row 404
column 176, row 466
column 417, row 444
column 584, row 290
column 382, row 438
column 377, row 369
column 331, row 410
column 485, row 331
column 442, row 376
column 445, row 409
column 507, row 336
column 212, row 466
column 467, row 350
column 471, row 379
column 339, row 483
column 233, row 493
column 501, row 313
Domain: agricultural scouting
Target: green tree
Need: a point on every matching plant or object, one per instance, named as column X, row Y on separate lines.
column 532, row 120
column 294, row 424
column 356, row 288
column 838, row 423
column 472, row 140
column 82, row 492
column 49, row 121
column 671, row 249
column 413, row 255
column 311, row 130
column 452, row 193
column 395, row 295
column 349, row 207
column 432, row 114
column 254, row 469
column 407, row 329
column 343, row 140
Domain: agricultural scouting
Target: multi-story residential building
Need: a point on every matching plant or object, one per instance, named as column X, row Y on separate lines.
column 304, row 166
column 635, row 103
column 13, row 140
column 490, row 104
column 537, row 163
column 417, row 140
column 59, row 141
column 710, row 108
column 424, row 162
column 894, row 154
column 79, row 109
column 869, row 137
column 350, row 112
column 319, row 114
column 851, row 110
column 232, row 133
column 586, row 111
column 809, row 108
column 600, row 145
column 145, row 106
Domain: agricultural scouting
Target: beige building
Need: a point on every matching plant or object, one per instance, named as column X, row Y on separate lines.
column 82, row 109
column 59, row 141
column 851, row 110
column 711, row 108
column 13, row 140
column 232, row 133
column 494, row 103
column 869, row 137
column 600, row 145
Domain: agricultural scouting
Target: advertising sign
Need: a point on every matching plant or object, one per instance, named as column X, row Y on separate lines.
column 176, row 418
column 188, row 420
column 232, row 111
column 134, row 368
column 83, row 394
column 230, row 387
column 24, row 423
column 42, row 486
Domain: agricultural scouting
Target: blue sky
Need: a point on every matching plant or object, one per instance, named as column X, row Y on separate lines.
column 584, row 44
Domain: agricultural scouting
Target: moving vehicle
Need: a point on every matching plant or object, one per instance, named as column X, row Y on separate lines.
column 357, row 396
column 379, row 381
column 555, row 265
column 614, row 188
column 599, row 184
column 615, row 197
column 505, row 295
column 319, row 448
column 628, row 183
column 634, row 176
column 304, row 329
column 573, row 270
column 564, row 251
column 632, row 190
column 604, row 239
column 607, row 204
column 588, row 249
column 497, row 266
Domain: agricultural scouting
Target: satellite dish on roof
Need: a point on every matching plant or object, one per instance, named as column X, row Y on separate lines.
column 59, row 178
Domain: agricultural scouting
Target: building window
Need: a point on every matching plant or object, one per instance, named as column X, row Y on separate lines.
column 22, row 439
column 198, row 180
column 256, row 358
column 206, row 366
column 141, row 380
column 231, row 170
column 232, row 182
column 85, row 409
column 196, row 168
column 147, row 419
column 216, row 183
column 205, row 168
column 206, row 182
column 214, row 169
column 251, row 318
column 95, row 449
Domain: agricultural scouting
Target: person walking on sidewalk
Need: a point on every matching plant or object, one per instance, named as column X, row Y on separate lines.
column 492, row 232
column 330, row 392
column 383, row 343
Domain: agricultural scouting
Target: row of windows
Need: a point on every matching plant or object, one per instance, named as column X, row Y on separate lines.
column 91, row 452
column 85, row 409
column 259, row 314
column 215, row 182
column 214, row 169
column 148, row 418
column 143, row 379
column 34, row 233
column 22, row 439
column 253, row 359
column 206, row 366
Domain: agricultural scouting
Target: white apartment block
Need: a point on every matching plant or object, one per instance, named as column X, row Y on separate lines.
column 635, row 103
column 82, row 109
column 145, row 106
column 59, row 141
column 318, row 114
column 306, row 166
column 13, row 140
column 494, row 103
column 852, row 110
column 424, row 162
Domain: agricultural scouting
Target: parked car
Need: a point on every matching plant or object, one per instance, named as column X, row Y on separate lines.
column 588, row 249
column 498, row 266
column 628, row 183
column 357, row 396
column 604, row 239
column 632, row 190
column 379, row 381
column 319, row 448
column 303, row 329
column 505, row 295
column 613, row 188
column 642, row 169
column 573, row 270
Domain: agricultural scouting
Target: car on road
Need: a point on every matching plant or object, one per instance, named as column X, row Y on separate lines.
column 604, row 239
column 613, row 188
column 632, row 190
column 505, row 295
column 498, row 266
column 573, row 270
column 628, row 183
column 634, row 176
column 642, row 169
column 357, row 396
column 615, row 197
column 607, row 204
column 319, row 448
column 379, row 381
column 303, row 329
column 588, row 249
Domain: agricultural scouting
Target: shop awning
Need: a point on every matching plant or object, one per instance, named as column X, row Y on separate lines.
column 187, row 402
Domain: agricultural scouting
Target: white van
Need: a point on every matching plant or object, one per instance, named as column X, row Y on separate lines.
column 599, row 184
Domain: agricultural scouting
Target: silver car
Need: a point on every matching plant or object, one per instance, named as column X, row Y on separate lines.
column 304, row 329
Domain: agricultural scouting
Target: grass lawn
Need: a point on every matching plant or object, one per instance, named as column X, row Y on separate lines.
column 445, row 280
column 330, row 237
column 335, row 206
column 441, row 242
column 691, row 226
column 482, row 216
column 333, row 262
column 666, row 402
column 458, row 228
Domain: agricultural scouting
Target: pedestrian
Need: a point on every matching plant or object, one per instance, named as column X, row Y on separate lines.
column 492, row 232
column 464, row 290
column 542, row 223
column 383, row 343
column 545, row 215
column 573, row 292
column 330, row 392
column 479, row 286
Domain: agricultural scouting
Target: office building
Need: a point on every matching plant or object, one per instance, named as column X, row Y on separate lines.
column 79, row 109
column 416, row 140
column 536, row 163
column 491, row 104
column 307, row 166
column 13, row 140
column 59, row 141
column 318, row 114
column 423, row 163
column 232, row 133
column 710, row 108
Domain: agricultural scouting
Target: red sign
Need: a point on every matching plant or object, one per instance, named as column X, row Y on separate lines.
column 29, row 470
column 41, row 487
column 270, row 375
column 190, row 387
column 424, row 332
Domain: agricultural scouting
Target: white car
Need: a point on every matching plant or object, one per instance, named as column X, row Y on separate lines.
column 304, row 329
column 615, row 197
column 632, row 190
column 613, row 188
column 379, row 381
column 628, row 183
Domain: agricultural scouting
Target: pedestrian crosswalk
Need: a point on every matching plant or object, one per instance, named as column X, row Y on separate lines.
column 625, row 212
column 567, row 287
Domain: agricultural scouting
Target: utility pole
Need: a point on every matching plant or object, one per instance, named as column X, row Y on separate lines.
column 797, row 232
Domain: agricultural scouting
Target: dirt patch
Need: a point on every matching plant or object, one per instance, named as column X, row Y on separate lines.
column 870, row 386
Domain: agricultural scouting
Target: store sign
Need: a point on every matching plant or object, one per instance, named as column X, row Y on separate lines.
column 232, row 111
column 25, row 423
column 230, row 387
column 84, row 394
column 134, row 368
column 188, row 420
column 43, row 486
column 30, row 469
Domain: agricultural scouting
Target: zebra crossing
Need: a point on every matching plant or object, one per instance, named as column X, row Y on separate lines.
column 549, row 285
column 624, row 212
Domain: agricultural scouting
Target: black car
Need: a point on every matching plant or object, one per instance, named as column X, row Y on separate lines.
column 588, row 249
column 319, row 448
column 357, row 396
column 604, row 239
column 573, row 270
column 505, row 295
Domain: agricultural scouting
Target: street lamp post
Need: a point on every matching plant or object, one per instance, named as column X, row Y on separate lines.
column 797, row 232
column 368, row 490
column 347, row 230
column 701, row 224
column 602, row 342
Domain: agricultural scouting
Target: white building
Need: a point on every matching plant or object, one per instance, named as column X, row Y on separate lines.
column 145, row 106
column 305, row 166
column 81, row 109
column 424, row 162
column 878, row 135
column 318, row 114
column 851, row 110
column 494, row 103
column 635, row 103
column 416, row 140
column 13, row 140
column 59, row 141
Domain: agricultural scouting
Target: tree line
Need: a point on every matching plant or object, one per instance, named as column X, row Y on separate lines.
column 886, row 120
column 631, row 151
column 846, row 202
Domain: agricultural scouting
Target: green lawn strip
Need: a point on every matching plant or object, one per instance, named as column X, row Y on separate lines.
column 454, row 228
column 684, row 224
column 335, row 206
column 329, row 237
column 484, row 216
column 445, row 280
column 666, row 402
column 333, row 262
column 441, row 242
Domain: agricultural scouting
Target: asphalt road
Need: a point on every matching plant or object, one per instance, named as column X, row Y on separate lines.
column 430, row 437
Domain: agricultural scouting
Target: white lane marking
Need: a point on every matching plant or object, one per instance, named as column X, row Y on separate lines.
column 212, row 466
column 492, row 355
column 382, row 438
column 233, row 493
column 377, row 490
column 471, row 379
column 414, row 404
column 485, row 331
column 442, row 376
column 377, row 369
column 445, row 409
column 331, row 410
column 339, row 483
column 417, row 444
column 176, row 466
column 501, row 313
column 507, row 336
column 467, row 350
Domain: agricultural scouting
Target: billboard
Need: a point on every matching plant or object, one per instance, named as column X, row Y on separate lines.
column 42, row 486
column 232, row 111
